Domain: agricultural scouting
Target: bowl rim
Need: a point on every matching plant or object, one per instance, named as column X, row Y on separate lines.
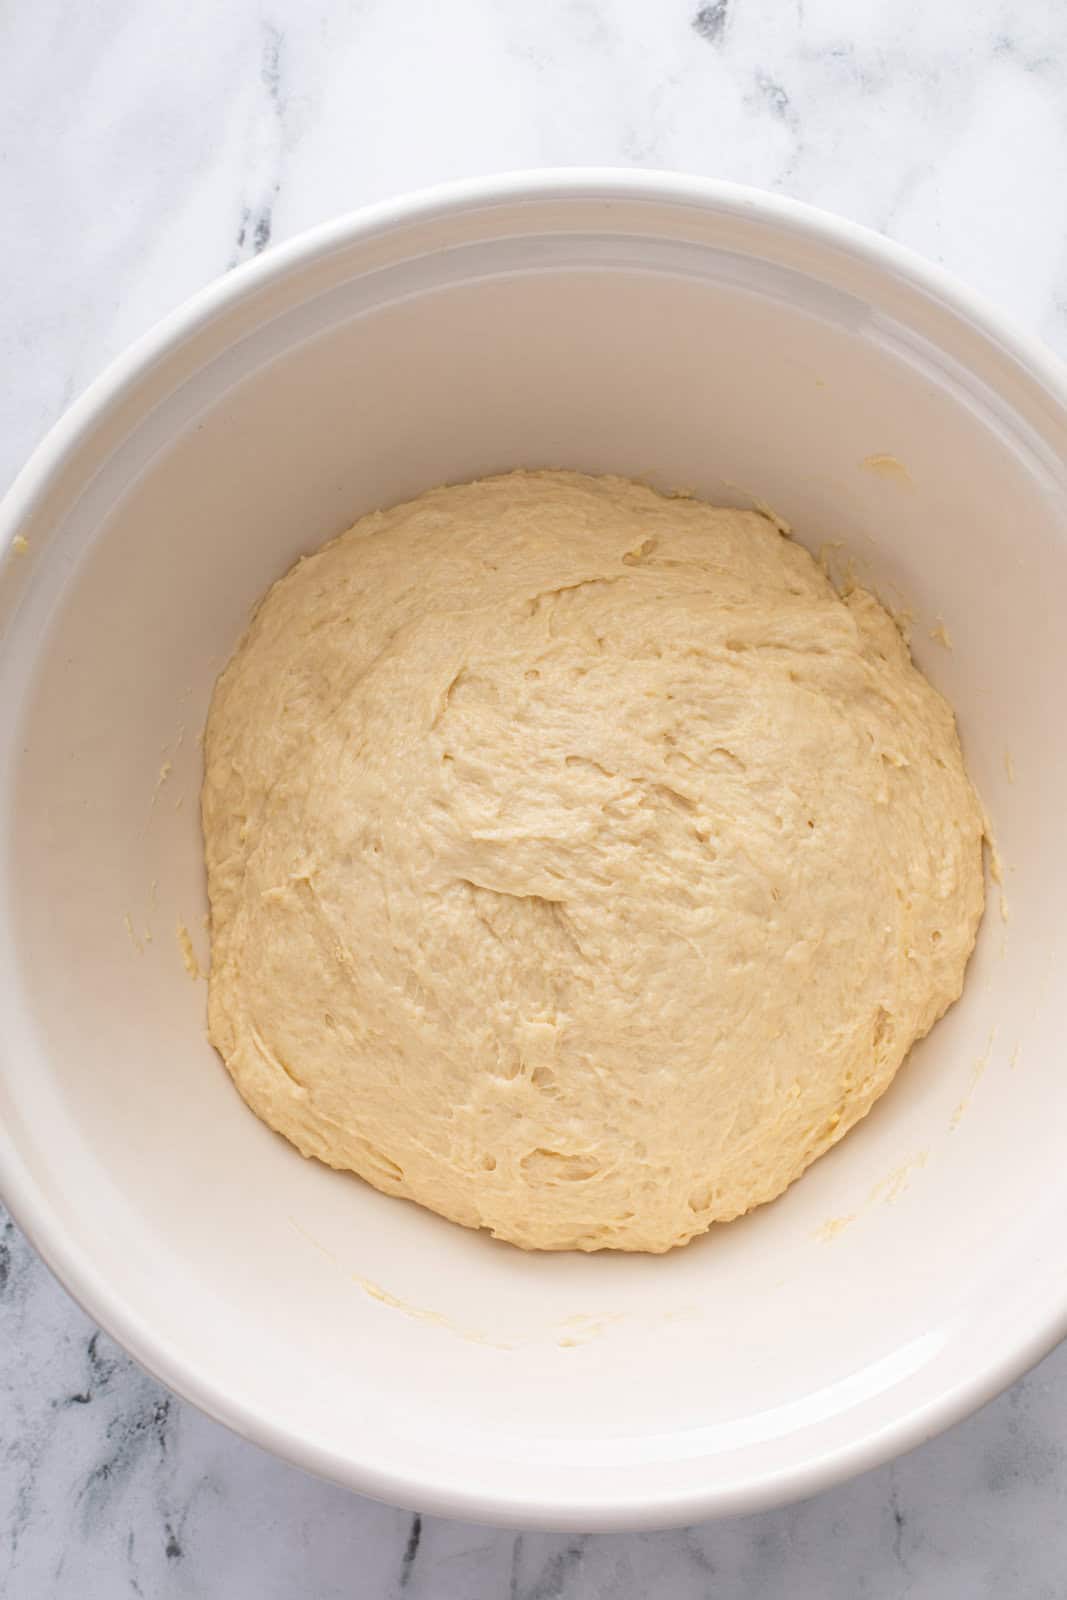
column 30, row 1207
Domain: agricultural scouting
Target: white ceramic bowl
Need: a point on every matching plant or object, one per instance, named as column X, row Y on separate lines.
column 709, row 337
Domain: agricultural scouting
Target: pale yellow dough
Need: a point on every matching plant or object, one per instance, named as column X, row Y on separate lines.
column 582, row 865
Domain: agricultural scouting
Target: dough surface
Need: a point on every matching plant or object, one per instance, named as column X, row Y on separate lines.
column 582, row 866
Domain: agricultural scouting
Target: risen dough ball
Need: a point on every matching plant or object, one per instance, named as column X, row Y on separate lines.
column 582, row 866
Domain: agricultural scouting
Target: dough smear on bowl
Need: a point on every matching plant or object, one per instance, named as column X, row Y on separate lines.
column 582, row 865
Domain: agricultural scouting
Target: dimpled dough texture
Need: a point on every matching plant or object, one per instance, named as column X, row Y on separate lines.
column 582, row 865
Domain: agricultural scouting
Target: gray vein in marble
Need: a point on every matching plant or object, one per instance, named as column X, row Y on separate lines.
column 710, row 20
column 411, row 1551
column 516, row 1558
column 556, row 1575
column 7, row 1240
column 899, row 1522
column 257, row 213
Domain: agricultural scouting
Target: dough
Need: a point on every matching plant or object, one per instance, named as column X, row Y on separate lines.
column 582, row 865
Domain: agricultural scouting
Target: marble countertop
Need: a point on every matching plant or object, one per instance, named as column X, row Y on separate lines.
column 146, row 148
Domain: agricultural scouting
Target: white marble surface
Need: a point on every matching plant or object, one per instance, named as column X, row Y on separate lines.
column 147, row 147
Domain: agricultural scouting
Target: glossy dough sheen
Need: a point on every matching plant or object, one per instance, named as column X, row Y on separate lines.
column 582, row 866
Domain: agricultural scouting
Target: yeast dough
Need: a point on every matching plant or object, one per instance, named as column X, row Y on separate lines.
column 582, row 865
